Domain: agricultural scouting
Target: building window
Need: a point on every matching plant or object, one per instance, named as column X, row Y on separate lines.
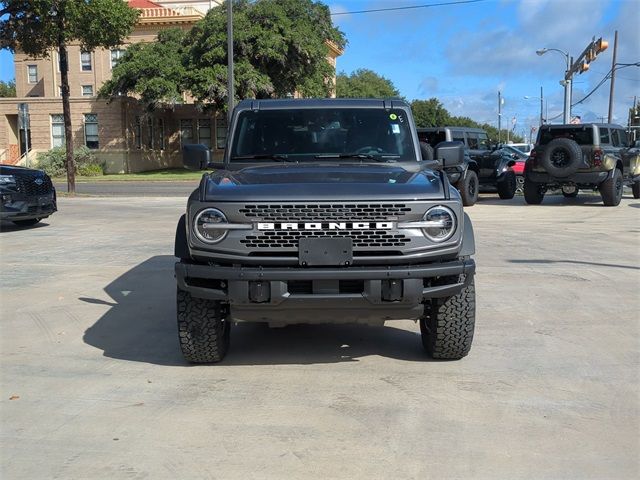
column 161, row 134
column 85, row 61
column 150, row 133
column 138, row 133
column 186, row 131
column 204, row 132
column 32, row 71
column 87, row 90
column 91, row 130
column 221, row 132
column 57, row 130
column 116, row 55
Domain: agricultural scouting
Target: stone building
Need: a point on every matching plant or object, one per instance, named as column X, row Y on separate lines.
column 123, row 137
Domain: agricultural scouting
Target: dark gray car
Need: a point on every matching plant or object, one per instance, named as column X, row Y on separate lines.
column 324, row 211
column 26, row 195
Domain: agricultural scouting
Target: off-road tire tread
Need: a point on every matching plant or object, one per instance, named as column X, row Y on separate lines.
column 202, row 331
column 462, row 186
column 607, row 190
column 507, row 186
column 448, row 325
column 532, row 193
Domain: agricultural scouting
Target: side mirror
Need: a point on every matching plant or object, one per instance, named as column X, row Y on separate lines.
column 450, row 154
column 196, row 156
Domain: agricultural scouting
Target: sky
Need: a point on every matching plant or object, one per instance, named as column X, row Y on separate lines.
column 464, row 54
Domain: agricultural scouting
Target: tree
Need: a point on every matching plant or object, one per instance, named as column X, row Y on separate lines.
column 37, row 27
column 7, row 89
column 153, row 71
column 279, row 48
column 364, row 83
column 430, row 113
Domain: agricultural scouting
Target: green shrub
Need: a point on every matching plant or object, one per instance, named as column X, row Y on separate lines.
column 90, row 170
column 85, row 159
column 52, row 161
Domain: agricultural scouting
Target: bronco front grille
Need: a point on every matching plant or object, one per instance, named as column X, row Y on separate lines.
column 290, row 238
column 28, row 185
column 328, row 212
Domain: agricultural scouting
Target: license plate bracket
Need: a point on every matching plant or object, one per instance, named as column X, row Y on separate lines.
column 325, row 251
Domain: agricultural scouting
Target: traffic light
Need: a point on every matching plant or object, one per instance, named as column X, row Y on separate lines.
column 600, row 45
column 583, row 68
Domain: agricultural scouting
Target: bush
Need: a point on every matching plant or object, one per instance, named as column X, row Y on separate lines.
column 86, row 162
column 52, row 162
column 90, row 170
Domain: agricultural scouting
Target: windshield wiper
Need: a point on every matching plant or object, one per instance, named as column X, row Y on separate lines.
column 360, row 156
column 278, row 157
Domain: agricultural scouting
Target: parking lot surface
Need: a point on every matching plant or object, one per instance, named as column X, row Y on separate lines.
column 93, row 384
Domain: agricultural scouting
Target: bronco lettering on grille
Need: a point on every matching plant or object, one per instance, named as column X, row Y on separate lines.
column 327, row 226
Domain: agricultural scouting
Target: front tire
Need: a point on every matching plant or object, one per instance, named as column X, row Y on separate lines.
column 635, row 189
column 448, row 324
column 468, row 187
column 533, row 193
column 507, row 186
column 611, row 189
column 203, row 329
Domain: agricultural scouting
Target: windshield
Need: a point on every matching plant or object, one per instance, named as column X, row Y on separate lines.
column 580, row 134
column 316, row 134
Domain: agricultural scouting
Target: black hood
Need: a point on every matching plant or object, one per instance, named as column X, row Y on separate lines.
column 23, row 171
column 323, row 182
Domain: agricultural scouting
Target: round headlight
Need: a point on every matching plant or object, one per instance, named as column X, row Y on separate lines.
column 207, row 225
column 444, row 223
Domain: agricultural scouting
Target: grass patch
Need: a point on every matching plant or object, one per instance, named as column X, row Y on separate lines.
column 166, row 175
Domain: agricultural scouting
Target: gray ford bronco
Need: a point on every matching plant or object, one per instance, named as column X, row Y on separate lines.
column 324, row 211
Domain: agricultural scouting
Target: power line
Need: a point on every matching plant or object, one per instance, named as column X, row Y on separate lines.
column 409, row 7
column 618, row 66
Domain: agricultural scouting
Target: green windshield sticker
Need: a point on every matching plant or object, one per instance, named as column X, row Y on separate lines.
column 393, row 116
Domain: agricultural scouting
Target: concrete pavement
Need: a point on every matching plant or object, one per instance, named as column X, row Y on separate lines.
column 93, row 384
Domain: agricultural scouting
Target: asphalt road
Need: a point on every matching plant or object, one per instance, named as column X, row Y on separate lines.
column 132, row 188
column 93, row 384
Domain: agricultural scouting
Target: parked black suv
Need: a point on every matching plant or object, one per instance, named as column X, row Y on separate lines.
column 486, row 167
column 324, row 211
column 26, row 195
column 590, row 156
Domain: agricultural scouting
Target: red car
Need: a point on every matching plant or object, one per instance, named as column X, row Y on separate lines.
column 520, row 158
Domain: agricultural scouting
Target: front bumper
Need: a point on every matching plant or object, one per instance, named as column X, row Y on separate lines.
column 310, row 295
column 17, row 206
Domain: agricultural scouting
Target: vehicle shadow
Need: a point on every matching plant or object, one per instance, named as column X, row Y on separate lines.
column 141, row 326
column 6, row 226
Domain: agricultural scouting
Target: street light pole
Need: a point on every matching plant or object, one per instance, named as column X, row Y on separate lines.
column 541, row 103
column 566, row 118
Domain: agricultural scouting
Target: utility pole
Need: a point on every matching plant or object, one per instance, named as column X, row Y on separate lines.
column 499, row 114
column 541, row 103
column 613, row 76
column 568, row 91
column 230, row 90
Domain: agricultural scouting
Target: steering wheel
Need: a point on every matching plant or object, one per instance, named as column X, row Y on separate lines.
column 369, row 149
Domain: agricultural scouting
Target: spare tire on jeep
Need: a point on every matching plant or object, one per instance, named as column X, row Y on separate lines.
column 561, row 157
